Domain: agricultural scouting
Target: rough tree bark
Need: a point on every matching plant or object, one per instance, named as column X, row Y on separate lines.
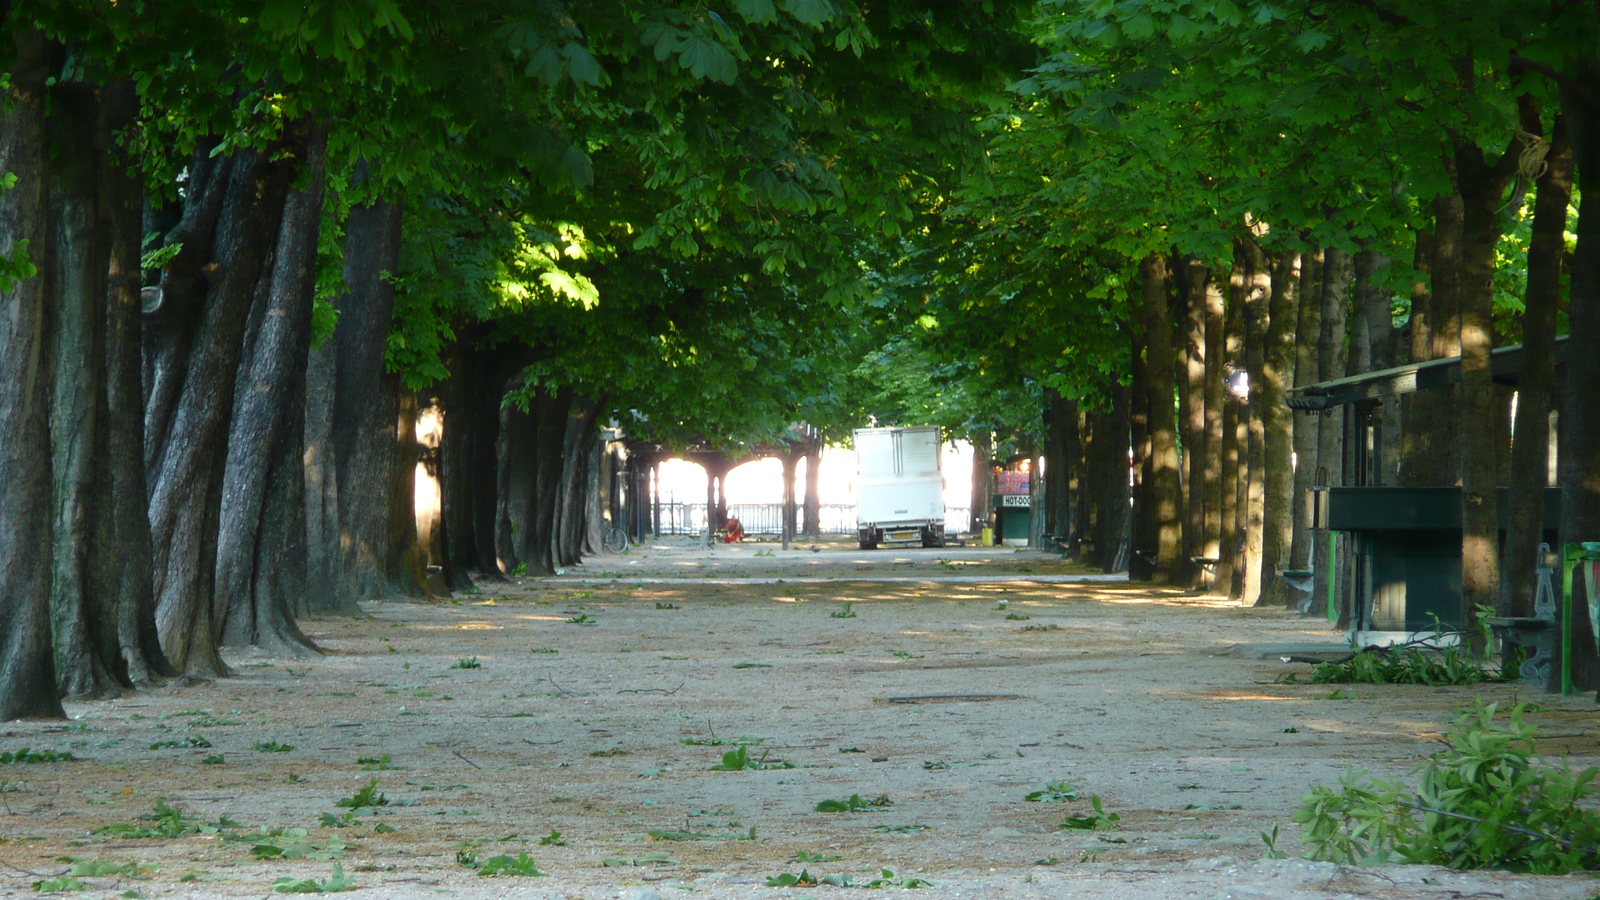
column 1166, row 493
column 366, row 407
column 1210, row 478
column 982, row 478
column 1530, row 446
column 1442, row 466
column 1111, row 436
column 1375, row 325
column 1417, row 409
column 122, row 579
column 1235, row 436
column 1061, row 458
column 262, row 544
column 1307, row 370
column 27, row 674
column 1193, row 344
column 813, row 496
column 1278, row 437
column 1141, row 528
column 1257, row 308
column 1482, row 185
column 207, row 293
column 1338, row 273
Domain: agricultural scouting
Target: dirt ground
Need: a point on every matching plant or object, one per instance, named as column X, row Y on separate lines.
column 951, row 682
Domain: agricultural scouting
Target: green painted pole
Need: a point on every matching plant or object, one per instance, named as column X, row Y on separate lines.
column 1333, row 581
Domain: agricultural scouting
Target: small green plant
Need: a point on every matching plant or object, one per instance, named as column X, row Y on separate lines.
column 1479, row 803
column 666, row 606
column 366, row 797
column 60, row 884
column 739, row 759
column 375, row 763
column 582, row 619
column 274, row 747
column 886, row 879
column 663, row 834
column 470, row 662
column 336, row 883
column 520, row 570
column 553, row 839
column 191, row 741
column 520, row 865
column 1271, row 840
column 1099, row 821
column 102, row 868
column 854, row 803
column 329, row 820
column 292, row 844
column 1412, row 665
column 750, row 665
column 789, row 879
column 1054, row 792
column 1015, row 617
column 718, row 742
column 33, row 756
column 847, row 611
column 801, row 856
column 215, row 759
column 544, row 650
column 165, row 822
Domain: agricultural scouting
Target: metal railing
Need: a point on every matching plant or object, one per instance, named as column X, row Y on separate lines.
column 767, row 518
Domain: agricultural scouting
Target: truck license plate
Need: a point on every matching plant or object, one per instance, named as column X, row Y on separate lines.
column 903, row 536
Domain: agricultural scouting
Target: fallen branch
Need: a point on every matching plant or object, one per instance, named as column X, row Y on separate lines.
column 467, row 761
column 951, row 698
column 654, row 690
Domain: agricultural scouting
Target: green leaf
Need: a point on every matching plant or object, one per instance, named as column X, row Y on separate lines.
column 810, row 12
column 758, row 12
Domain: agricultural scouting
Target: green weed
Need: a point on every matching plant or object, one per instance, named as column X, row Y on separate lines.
column 801, row 856
column 274, row 747
column 1100, row 821
column 192, row 741
column 582, row 619
column 215, row 759
column 847, row 611
column 336, row 883
column 470, row 662
column 34, row 756
column 366, row 797
column 544, row 650
column 165, row 822
column 374, row 763
column 738, row 760
column 553, row 839
column 1054, row 792
column 296, row 847
column 854, row 803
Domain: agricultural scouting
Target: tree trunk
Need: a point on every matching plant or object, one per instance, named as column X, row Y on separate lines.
column 210, row 286
column 405, row 549
column 1165, row 494
column 790, row 510
column 1307, row 370
column 1443, row 464
column 1061, row 458
column 1579, row 457
column 1530, row 446
column 1235, row 437
column 1277, row 432
column 1111, row 449
column 1257, row 306
column 366, row 408
column 1195, row 449
column 982, row 479
column 1418, row 409
column 1142, row 527
column 27, row 673
column 1338, row 273
column 262, row 543
column 327, row 591
column 124, row 630
column 76, row 279
column 1375, row 325
column 1210, row 478
column 813, row 499
column 1481, row 187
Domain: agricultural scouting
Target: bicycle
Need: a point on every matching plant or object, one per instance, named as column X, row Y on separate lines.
column 615, row 540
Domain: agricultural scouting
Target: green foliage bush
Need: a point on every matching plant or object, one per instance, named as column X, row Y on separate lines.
column 1481, row 803
column 1412, row 665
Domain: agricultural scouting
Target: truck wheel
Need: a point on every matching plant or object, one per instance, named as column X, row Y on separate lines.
column 869, row 545
column 930, row 538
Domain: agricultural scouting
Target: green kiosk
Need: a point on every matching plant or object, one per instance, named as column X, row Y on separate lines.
column 1013, row 509
column 1403, row 566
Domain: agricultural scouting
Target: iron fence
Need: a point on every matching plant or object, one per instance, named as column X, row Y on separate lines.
column 767, row 518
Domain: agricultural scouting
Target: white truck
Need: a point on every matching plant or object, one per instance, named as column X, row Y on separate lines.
column 899, row 488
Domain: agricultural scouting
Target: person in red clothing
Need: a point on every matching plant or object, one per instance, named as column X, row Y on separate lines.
column 732, row 531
